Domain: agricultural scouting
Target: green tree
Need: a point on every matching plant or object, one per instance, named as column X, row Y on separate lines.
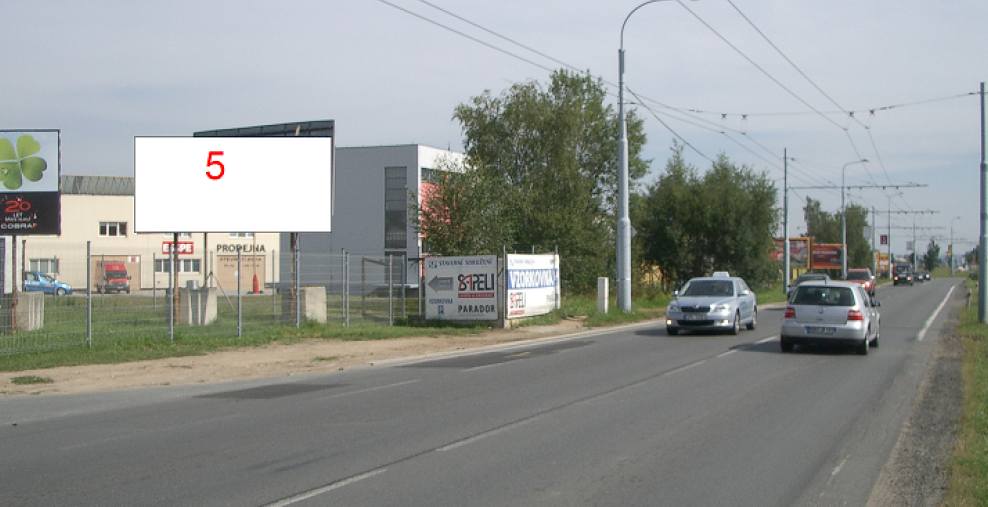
column 825, row 227
column 540, row 172
column 693, row 225
column 931, row 259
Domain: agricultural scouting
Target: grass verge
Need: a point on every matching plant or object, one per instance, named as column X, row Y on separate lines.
column 31, row 379
column 969, row 468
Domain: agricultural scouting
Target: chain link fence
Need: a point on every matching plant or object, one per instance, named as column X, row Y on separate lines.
column 105, row 298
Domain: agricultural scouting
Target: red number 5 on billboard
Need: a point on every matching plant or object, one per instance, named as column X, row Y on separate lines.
column 210, row 161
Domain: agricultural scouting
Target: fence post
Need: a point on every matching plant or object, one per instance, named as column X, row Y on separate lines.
column 404, row 279
column 421, row 275
column 240, row 298
column 154, row 282
column 275, row 287
column 298, row 286
column 391, row 306
column 346, row 288
column 89, row 294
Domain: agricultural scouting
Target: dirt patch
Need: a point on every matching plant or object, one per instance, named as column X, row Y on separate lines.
column 308, row 356
column 917, row 472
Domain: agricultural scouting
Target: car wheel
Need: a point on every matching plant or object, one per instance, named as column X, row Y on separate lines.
column 785, row 344
column 862, row 348
column 59, row 291
column 754, row 320
column 672, row 331
column 736, row 329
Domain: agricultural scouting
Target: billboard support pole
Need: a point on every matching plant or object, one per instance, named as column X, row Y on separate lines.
column 296, row 279
column 89, row 294
column 172, row 300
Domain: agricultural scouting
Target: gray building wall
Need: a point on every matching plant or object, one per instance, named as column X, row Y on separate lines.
column 359, row 212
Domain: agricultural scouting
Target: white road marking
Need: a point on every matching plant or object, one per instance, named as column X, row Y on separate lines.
column 766, row 340
column 305, row 495
column 729, row 352
column 369, row 389
column 470, row 440
column 840, row 465
column 483, row 366
column 684, row 368
column 929, row 321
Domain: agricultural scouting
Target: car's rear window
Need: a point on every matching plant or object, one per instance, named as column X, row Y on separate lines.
column 858, row 275
column 805, row 278
column 903, row 268
column 823, row 296
column 709, row 288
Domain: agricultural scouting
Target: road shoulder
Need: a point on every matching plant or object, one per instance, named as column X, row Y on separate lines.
column 917, row 471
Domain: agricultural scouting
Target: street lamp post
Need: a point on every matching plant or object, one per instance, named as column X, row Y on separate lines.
column 624, row 221
column 843, row 217
column 950, row 246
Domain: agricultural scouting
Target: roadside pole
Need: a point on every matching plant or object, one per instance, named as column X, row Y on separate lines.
column 785, row 221
column 240, row 297
column 983, row 243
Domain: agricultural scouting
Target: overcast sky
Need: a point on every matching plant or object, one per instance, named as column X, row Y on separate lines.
column 104, row 72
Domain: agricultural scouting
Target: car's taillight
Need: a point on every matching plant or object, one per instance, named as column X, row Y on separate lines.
column 790, row 312
column 854, row 315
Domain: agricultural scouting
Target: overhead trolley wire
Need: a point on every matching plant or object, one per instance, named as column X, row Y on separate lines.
column 694, row 118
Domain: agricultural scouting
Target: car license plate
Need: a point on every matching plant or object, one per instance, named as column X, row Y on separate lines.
column 820, row 330
column 695, row 316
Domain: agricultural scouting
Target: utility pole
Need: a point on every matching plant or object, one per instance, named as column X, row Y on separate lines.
column 915, row 257
column 785, row 221
column 983, row 240
column 844, row 187
column 914, row 227
column 874, row 255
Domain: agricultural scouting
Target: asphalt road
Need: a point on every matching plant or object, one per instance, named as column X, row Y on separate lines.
column 628, row 417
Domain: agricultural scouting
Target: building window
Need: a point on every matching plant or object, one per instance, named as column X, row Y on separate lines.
column 185, row 234
column 162, row 265
column 395, row 207
column 241, row 234
column 189, row 265
column 113, row 229
column 49, row 266
column 184, row 265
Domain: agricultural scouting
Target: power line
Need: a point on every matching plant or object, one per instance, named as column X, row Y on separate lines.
column 670, row 129
column 468, row 36
column 567, row 65
column 760, row 68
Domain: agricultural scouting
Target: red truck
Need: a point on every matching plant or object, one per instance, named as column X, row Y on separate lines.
column 111, row 276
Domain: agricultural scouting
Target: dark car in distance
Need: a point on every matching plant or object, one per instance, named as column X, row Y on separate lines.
column 903, row 275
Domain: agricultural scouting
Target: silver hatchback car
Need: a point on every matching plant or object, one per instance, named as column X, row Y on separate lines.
column 831, row 312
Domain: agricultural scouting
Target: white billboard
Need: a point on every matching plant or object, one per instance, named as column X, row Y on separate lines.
column 461, row 288
column 532, row 284
column 233, row 184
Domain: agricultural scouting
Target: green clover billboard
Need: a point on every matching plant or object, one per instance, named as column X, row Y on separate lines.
column 29, row 177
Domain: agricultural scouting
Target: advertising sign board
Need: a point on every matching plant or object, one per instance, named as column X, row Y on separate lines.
column 826, row 256
column 30, row 168
column 532, row 284
column 222, row 184
column 184, row 247
column 799, row 252
column 461, row 288
column 883, row 262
